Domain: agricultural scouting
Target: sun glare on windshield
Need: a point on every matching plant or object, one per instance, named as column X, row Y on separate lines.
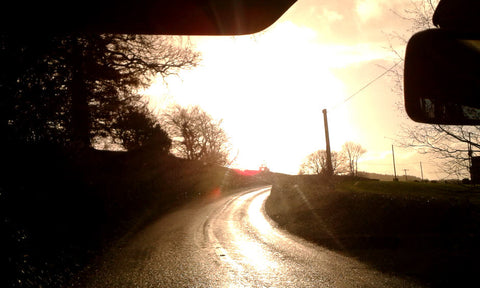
column 270, row 88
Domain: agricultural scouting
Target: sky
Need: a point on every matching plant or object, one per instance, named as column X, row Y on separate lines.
column 270, row 88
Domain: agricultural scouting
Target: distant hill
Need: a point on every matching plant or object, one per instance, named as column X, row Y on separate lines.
column 386, row 177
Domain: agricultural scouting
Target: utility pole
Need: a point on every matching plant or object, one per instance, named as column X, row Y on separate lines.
column 470, row 154
column 421, row 170
column 394, row 169
column 405, row 174
column 327, row 139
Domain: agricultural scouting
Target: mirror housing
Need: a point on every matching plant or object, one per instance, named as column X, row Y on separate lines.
column 165, row 17
column 442, row 78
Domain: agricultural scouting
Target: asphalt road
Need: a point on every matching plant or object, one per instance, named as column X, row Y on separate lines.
column 228, row 242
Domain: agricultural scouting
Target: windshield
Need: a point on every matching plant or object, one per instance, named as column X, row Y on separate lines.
column 270, row 88
column 283, row 158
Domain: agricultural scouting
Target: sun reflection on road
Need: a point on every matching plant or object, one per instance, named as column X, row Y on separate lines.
column 254, row 255
column 256, row 216
column 250, row 250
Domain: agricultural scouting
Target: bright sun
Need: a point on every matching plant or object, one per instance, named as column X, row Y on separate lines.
column 270, row 90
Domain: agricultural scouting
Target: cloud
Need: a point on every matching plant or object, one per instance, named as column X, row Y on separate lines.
column 368, row 9
column 350, row 21
column 331, row 16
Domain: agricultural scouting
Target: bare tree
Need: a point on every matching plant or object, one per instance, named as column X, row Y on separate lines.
column 316, row 163
column 452, row 146
column 89, row 81
column 353, row 151
column 196, row 135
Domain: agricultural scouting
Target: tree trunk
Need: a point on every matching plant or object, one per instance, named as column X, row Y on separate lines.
column 80, row 110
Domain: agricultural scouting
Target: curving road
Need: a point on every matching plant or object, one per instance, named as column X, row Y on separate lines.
column 229, row 242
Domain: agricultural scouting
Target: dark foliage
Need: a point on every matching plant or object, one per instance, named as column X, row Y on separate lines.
column 66, row 89
column 59, row 211
column 62, row 202
column 135, row 129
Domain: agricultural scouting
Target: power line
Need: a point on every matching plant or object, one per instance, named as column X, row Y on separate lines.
column 366, row 85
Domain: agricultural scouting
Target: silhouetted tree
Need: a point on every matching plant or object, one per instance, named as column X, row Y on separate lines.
column 136, row 128
column 72, row 88
column 196, row 135
column 353, row 151
column 316, row 163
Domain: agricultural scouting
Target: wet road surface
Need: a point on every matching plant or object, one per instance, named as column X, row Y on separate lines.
column 229, row 242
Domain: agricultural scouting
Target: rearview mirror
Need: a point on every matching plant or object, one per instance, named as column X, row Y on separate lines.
column 442, row 78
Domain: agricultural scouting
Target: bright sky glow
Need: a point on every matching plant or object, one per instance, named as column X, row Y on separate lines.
column 270, row 88
column 368, row 9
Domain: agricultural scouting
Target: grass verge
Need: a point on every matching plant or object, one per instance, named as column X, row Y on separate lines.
column 425, row 231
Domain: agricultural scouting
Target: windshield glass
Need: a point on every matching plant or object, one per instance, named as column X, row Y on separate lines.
column 270, row 88
column 279, row 159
